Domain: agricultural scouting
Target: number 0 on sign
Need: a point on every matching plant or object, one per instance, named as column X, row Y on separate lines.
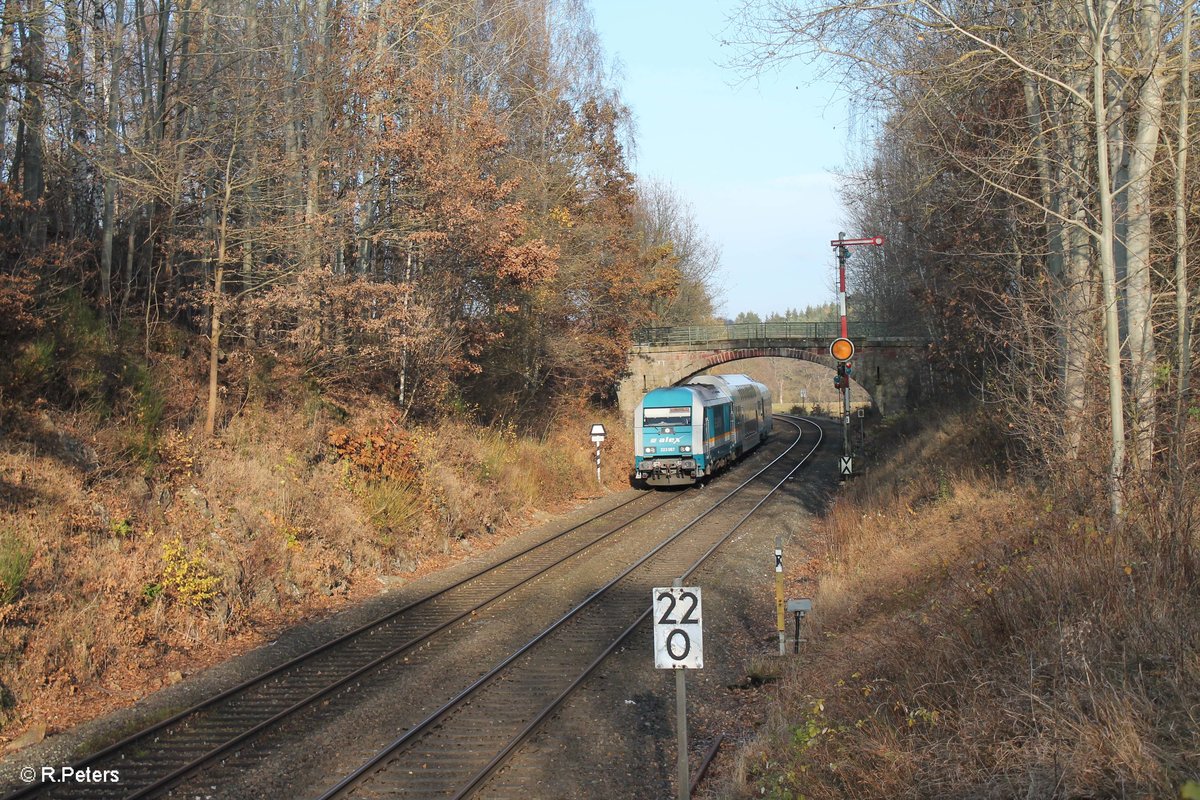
column 678, row 636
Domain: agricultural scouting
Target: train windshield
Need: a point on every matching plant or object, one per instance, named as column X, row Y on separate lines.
column 680, row 415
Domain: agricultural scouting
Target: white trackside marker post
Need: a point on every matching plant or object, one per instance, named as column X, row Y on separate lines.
column 780, row 623
column 678, row 645
column 598, row 437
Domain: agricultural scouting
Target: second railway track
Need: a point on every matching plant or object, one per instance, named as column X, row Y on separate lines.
column 455, row 750
column 159, row 756
column 196, row 752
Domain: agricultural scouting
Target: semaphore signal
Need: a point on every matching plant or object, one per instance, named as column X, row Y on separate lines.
column 842, row 349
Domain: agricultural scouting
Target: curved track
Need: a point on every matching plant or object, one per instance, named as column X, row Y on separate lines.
column 159, row 756
column 193, row 744
column 454, row 750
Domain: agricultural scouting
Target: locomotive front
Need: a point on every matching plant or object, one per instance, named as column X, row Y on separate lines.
column 666, row 452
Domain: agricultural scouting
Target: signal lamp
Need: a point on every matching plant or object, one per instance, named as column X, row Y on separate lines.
column 842, row 349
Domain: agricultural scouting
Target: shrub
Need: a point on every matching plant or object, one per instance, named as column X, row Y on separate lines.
column 18, row 313
column 77, row 362
column 175, row 454
column 148, row 404
column 33, row 365
column 186, row 574
column 383, row 469
column 388, row 452
column 88, row 363
column 395, row 506
column 15, row 559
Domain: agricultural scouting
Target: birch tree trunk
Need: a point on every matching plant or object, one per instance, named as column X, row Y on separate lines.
column 110, row 150
column 76, row 207
column 6, row 60
column 185, row 47
column 1138, row 297
column 1099, row 14
column 1183, row 344
column 156, row 115
column 316, row 138
column 250, row 213
column 1076, row 307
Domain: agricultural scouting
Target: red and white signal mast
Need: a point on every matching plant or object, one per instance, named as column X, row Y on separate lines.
column 842, row 349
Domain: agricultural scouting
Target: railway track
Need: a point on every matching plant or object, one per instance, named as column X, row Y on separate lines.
column 457, row 748
column 157, row 757
column 178, row 749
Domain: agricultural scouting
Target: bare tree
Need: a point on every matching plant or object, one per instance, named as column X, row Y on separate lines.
column 113, row 90
column 1183, row 313
column 667, row 221
column 1030, row 106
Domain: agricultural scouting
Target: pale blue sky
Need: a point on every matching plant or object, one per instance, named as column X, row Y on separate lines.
column 754, row 160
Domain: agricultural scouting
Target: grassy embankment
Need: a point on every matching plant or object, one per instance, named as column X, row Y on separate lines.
column 133, row 550
column 979, row 636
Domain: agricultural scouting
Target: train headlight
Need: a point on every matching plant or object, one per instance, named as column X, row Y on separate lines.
column 650, row 450
column 685, row 449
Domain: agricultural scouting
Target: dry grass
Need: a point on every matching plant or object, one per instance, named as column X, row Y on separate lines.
column 976, row 637
column 144, row 567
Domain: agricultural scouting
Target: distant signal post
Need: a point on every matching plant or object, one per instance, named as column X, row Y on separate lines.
column 842, row 349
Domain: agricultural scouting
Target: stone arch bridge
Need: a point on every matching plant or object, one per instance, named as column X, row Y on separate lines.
column 886, row 364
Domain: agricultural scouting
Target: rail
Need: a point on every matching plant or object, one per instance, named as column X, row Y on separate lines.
column 460, row 745
column 174, row 750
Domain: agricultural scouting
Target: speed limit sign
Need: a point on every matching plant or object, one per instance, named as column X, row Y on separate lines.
column 678, row 634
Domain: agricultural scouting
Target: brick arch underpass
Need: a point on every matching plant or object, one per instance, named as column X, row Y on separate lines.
column 887, row 367
column 725, row 356
column 740, row 354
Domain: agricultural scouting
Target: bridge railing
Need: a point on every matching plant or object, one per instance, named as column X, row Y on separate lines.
column 748, row 331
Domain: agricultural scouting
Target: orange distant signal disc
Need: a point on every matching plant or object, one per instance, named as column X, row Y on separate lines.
column 842, row 349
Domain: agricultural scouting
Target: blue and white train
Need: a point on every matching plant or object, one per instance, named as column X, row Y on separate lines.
column 681, row 434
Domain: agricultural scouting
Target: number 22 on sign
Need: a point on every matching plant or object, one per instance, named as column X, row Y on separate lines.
column 678, row 631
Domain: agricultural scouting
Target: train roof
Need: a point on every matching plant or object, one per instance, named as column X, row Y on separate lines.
column 735, row 380
column 707, row 394
column 730, row 383
column 667, row 396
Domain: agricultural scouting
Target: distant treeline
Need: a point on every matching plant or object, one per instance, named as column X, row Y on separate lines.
column 827, row 312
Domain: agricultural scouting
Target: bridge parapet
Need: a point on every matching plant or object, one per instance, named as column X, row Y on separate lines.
column 666, row 356
column 759, row 331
